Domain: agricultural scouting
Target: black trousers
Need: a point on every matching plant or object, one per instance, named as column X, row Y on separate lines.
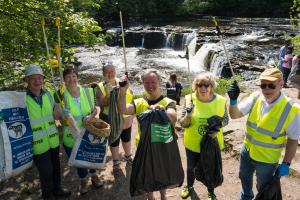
column 192, row 160
column 48, row 165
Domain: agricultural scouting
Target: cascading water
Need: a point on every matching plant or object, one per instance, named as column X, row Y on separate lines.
column 253, row 45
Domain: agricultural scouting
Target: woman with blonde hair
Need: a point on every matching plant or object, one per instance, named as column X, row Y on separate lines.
column 200, row 106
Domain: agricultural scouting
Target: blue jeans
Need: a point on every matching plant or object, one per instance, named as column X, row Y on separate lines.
column 264, row 173
column 82, row 172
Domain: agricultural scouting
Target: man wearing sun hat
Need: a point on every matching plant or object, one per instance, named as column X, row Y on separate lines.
column 272, row 125
column 41, row 106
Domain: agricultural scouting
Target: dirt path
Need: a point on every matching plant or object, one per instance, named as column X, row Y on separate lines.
column 26, row 186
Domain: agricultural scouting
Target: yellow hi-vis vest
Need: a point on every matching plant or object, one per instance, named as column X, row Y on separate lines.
column 87, row 106
column 102, row 87
column 265, row 136
column 45, row 135
column 202, row 111
column 142, row 105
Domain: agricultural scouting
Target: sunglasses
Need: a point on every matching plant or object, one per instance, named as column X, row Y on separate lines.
column 203, row 85
column 270, row 86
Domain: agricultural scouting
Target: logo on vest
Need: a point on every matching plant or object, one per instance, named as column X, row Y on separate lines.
column 16, row 130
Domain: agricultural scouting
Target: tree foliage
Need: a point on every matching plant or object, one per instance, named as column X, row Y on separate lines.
column 295, row 17
column 21, row 36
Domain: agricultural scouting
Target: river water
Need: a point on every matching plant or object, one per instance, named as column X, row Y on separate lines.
column 250, row 42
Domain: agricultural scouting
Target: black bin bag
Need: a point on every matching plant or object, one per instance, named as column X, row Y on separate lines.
column 157, row 163
column 271, row 191
column 209, row 167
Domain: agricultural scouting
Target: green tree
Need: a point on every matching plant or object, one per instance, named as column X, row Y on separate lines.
column 21, row 36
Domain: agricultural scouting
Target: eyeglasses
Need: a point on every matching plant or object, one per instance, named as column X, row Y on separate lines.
column 203, row 85
column 270, row 86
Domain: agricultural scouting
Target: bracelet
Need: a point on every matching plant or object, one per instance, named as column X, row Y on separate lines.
column 233, row 102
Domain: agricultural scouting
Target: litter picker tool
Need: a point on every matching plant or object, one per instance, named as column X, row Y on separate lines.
column 187, row 57
column 58, row 48
column 123, row 83
column 51, row 61
column 221, row 39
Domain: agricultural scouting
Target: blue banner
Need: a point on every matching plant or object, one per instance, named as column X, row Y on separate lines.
column 20, row 135
column 91, row 149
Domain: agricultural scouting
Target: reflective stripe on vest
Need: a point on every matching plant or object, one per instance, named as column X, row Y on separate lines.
column 86, row 107
column 266, row 135
column 263, row 144
column 276, row 133
column 87, row 94
column 46, row 118
column 42, row 123
column 202, row 111
column 42, row 133
column 50, row 98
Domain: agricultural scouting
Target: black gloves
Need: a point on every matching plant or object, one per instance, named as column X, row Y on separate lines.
column 233, row 91
column 214, row 124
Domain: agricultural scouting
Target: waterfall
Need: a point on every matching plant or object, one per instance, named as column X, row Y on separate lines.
column 169, row 41
column 192, row 46
column 208, row 58
column 143, row 40
column 216, row 64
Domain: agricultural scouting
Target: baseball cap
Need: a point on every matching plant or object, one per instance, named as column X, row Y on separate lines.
column 271, row 74
column 33, row 69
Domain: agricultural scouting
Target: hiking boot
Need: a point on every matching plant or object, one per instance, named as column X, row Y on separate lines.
column 128, row 159
column 186, row 192
column 61, row 192
column 83, row 186
column 96, row 182
column 212, row 196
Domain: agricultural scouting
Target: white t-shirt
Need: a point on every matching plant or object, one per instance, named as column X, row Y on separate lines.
column 293, row 130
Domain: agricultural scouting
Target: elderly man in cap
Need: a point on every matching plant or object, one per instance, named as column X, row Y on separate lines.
column 272, row 125
column 42, row 109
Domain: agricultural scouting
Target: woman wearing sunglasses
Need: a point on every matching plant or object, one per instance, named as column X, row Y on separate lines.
column 199, row 107
column 272, row 125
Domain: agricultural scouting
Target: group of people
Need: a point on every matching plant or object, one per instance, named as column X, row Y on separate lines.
column 289, row 65
column 272, row 124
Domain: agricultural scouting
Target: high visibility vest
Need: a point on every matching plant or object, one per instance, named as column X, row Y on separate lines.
column 265, row 136
column 45, row 135
column 202, row 111
column 87, row 106
column 142, row 105
column 102, row 87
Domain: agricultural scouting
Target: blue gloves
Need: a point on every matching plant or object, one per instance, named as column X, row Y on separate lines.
column 233, row 93
column 283, row 170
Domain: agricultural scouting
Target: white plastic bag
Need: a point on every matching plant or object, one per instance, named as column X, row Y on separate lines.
column 16, row 135
column 88, row 151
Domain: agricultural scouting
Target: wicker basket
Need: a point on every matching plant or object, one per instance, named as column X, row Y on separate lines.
column 98, row 127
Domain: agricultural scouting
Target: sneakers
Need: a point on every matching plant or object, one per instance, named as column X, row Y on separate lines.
column 83, row 186
column 128, row 159
column 186, row 192
column 212, row 196
column 96, row 182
